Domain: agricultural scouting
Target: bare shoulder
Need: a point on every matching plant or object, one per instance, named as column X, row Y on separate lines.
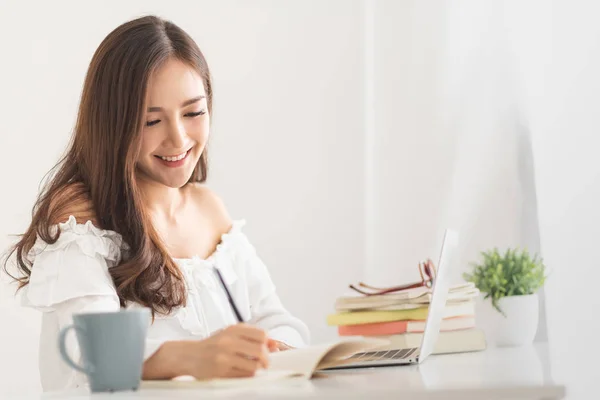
column 72, row 200
column 211, row 205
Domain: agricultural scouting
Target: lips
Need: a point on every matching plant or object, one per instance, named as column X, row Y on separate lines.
column 174, row 160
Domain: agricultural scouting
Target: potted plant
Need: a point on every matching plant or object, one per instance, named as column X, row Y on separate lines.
column 510, row 281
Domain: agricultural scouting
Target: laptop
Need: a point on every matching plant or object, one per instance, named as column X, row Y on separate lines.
column 417, row 355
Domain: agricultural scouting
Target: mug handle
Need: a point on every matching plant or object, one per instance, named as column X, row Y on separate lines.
column 63, row 349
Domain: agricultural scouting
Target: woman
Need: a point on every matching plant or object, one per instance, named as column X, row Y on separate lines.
column 126, row 220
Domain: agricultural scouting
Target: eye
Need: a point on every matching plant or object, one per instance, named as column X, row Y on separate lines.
column 195, row 114
column 153, row 122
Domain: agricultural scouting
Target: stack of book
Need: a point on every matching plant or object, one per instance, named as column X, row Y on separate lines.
column 401, row 316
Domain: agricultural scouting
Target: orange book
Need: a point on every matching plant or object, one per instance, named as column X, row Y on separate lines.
column 398, row 327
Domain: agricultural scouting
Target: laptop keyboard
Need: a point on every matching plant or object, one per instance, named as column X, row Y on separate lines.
column 384, row 355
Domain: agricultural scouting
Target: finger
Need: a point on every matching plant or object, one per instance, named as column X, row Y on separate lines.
column 238, row 373
column 231, row 365
column 245, row 364
column 252, row 350
column 283, row 346
column 250, row 332
column 272, row 345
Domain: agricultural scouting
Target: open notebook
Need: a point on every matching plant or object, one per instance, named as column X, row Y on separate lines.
column 296, row 363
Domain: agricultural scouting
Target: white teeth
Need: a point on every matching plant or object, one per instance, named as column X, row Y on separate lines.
column 176, row 158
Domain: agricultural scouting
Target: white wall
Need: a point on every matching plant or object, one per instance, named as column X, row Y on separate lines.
column 287, row 151
column 409, row 150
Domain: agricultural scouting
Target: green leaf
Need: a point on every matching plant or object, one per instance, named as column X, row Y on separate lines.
column 513, row 272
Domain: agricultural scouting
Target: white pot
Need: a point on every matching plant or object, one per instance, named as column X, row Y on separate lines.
column 519, row 326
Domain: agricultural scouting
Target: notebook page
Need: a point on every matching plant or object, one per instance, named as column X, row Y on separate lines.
column 308, row 360
column 302, row 361
column 341, row 353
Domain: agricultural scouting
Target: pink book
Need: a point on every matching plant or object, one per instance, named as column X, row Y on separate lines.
column 398, row 327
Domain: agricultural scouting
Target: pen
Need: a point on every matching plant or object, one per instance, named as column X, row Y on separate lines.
column 236, row 311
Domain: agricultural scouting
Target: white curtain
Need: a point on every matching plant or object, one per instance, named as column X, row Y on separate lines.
column 485, row 120
column 452, row 147
column 559, row 62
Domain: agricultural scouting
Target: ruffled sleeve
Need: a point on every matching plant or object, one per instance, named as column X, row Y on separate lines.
column 76, row 265
column 266, row 308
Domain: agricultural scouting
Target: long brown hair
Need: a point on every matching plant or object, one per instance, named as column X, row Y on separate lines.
column 99, row 166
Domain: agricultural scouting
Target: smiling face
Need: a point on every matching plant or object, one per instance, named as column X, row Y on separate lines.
column 175, row 126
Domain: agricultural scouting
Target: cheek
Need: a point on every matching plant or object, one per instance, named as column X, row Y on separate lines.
column 149, row 144
column 199, row 130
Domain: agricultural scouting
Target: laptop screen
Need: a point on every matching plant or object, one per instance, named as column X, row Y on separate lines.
column 439, row 294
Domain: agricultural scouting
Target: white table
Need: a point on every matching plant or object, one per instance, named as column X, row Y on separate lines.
column 496, row 373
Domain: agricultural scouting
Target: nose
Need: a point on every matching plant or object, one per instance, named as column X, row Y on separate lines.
column 177, row 135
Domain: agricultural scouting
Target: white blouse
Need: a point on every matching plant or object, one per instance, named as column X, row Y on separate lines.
column 72, row 276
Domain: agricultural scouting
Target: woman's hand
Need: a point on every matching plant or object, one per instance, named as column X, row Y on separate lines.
column 276, row 345
column 237, row 351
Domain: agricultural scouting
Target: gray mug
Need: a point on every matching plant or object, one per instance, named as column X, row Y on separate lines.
column 112, row 347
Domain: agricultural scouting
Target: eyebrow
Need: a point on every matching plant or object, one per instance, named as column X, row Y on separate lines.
column 184, row 104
